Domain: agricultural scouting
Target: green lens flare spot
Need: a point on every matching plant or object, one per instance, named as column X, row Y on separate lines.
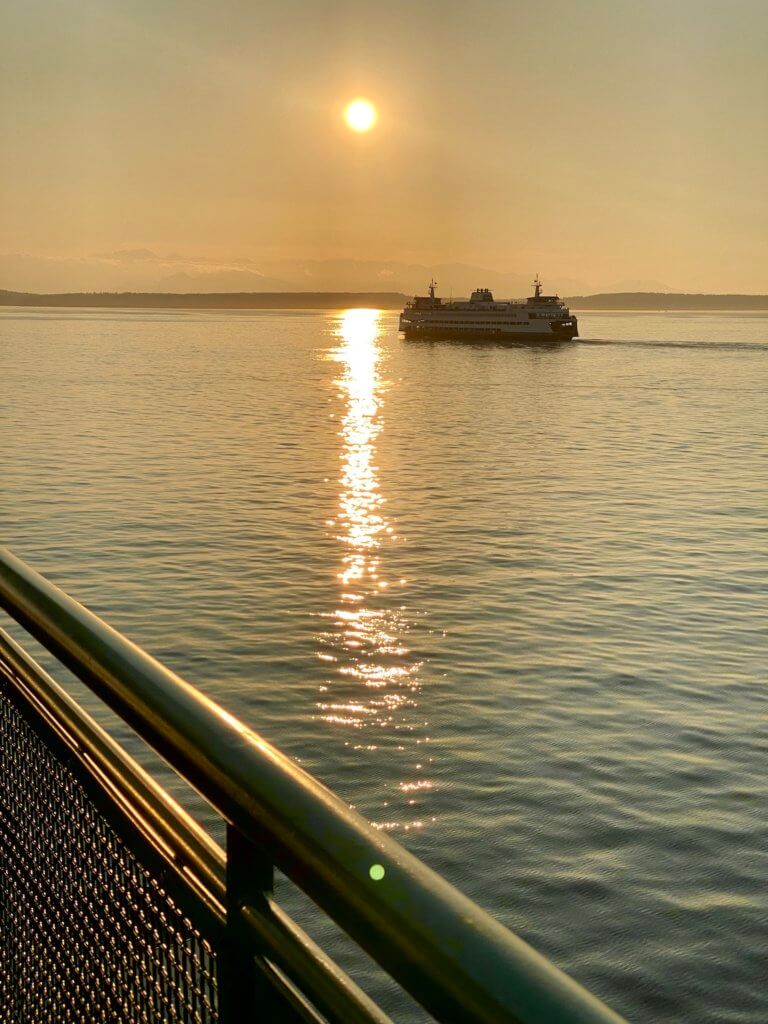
column 376, row 872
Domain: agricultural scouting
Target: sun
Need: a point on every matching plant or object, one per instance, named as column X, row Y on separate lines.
column 360, row 115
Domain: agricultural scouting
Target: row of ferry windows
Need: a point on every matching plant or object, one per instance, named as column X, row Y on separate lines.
column 531, row 316
column 481, row 323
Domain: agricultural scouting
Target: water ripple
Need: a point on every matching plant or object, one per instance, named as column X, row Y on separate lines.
column 509, row 602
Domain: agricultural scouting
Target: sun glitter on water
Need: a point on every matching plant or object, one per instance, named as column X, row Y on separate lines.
column 371, row 692
column 360, row 115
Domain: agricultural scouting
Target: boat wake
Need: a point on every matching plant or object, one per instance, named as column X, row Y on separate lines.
column 743, row 346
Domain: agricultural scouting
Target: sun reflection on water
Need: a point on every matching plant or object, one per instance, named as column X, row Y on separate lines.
column 375, row 681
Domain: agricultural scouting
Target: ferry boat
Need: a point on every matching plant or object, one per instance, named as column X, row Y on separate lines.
column 537, row 318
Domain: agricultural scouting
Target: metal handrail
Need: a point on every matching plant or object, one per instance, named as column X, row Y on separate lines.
column 199, row 860
column 453, row 957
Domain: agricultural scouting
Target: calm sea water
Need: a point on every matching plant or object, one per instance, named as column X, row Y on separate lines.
column 508, row 602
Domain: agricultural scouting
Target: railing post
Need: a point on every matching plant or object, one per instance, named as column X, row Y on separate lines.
column 195, row 943
column 245, row 993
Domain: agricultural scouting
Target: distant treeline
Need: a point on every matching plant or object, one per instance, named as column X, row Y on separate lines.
column 664, row 301
column 209, row 300
column 345, row 300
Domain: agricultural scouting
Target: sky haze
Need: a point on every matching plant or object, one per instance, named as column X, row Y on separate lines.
column 599, row 143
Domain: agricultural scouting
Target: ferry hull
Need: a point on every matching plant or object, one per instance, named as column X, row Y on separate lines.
column 412, row 332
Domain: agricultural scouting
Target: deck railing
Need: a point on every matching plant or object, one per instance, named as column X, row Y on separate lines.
column 116, row 906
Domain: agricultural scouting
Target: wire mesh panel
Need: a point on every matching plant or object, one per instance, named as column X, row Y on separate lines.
column 116, row 908
column 88, row 933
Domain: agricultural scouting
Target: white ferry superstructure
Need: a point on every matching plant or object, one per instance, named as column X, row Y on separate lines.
column 537, row 318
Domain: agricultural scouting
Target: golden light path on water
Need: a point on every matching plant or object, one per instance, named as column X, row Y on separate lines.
column 375, row 682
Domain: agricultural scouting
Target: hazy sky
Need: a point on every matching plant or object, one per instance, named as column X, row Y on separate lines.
column 602, row 140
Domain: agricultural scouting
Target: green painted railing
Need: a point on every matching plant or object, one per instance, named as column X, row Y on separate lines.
column 117, row 905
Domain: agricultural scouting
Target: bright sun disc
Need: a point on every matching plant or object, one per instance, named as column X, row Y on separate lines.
column 360, row 115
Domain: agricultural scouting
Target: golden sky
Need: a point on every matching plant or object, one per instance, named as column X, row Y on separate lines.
column 597, row 140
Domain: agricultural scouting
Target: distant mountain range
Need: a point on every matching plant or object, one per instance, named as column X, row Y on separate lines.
column 207, row 300
column 667, row 301
column 659, row 301
column 142, row 270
